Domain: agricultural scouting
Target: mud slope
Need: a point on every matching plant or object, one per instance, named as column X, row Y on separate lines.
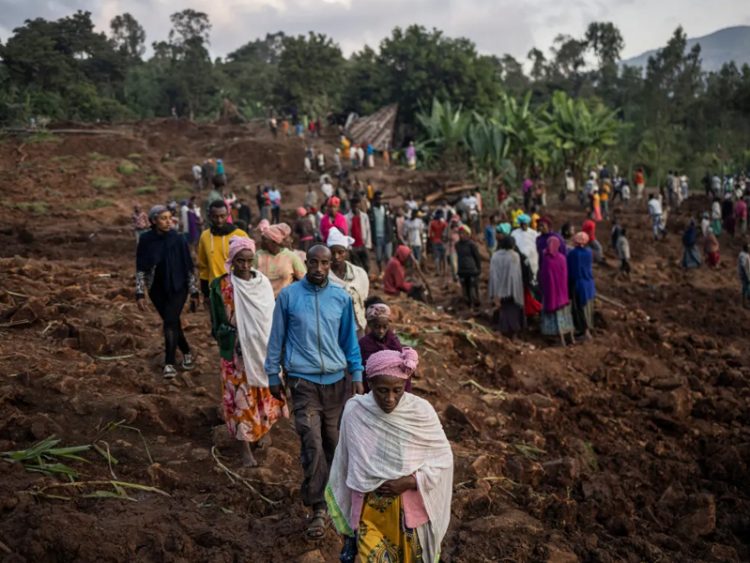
column 634, row 447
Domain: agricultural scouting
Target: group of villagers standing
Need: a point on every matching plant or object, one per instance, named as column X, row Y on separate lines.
column 539, row 272
column 376, row 463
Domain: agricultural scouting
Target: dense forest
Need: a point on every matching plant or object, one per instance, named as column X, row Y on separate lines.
column 576, row 104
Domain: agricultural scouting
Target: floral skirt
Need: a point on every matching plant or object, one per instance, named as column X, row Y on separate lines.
column 558, row 322
column 382, row 536
column 249, row 412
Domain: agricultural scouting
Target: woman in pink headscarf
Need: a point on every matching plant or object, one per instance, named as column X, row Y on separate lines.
column 392, row 475
column 553, row 282
column 333, row 219
column 279, row 264
column 242, row 305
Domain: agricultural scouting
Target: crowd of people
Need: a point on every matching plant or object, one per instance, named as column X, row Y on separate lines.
column 300, row 335
column 306, row 328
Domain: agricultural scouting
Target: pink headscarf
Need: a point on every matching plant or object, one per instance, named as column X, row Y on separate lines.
column 553, row 245
column 580, row 238
column 392, row 362
column 377, row 311
column 263, row 225
column 237, row 245
column 301, row 212
column 277, row 233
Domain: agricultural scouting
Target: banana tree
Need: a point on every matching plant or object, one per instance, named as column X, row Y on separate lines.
column 488, row 147
column 525, row 130
column 445, row 129
column 581, row 132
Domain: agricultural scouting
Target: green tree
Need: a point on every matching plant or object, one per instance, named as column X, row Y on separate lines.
column 128, row 36
column 445, row 127
column 310, row 73
column 488, row 147
column 581, row 131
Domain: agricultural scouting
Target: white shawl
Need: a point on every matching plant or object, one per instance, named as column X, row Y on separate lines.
column 526, row 242
column 357, row 284
column 253, row 316
column 506, row 279
column 375, row 447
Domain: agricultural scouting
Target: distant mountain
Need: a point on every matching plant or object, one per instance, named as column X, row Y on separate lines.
column 717, row 48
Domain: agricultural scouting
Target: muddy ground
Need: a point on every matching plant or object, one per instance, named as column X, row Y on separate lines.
column 632, row 447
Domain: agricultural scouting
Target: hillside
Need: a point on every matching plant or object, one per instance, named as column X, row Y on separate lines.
column 717, row 48
column 633, row 447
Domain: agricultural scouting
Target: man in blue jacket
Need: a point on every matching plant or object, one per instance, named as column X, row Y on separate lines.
column 315, row 331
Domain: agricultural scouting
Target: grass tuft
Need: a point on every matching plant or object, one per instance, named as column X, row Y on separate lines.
column 127, row 168
column 98, row 203
column 105, row 183
column 144, row 190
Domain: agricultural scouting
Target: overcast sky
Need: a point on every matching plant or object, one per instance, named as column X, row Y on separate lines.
column 496, row 26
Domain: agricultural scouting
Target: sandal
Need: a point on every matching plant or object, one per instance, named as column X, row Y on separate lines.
column 318, row 524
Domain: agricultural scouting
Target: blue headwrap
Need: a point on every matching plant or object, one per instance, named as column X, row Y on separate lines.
column 523, row 218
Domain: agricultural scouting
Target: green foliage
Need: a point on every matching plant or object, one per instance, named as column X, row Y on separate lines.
column 670, row 115
column 127, row 168
column 583, row 131
column 445, row 127
column 310, row 72
column 34, row 207
column 105, row 183
column 144, row 190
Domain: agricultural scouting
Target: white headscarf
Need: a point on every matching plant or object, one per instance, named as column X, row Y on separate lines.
column 337, row 238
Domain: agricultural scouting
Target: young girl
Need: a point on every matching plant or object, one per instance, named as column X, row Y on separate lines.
column 379, row 334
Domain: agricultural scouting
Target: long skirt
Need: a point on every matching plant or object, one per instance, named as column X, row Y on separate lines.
column 383, row 536
column 558, row 322
column 713, row 259
column 691, row 258
column 583, row 315
column 509, row 318
column 249, row 412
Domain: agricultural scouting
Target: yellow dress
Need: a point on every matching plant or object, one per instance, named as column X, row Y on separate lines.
column 382, row 536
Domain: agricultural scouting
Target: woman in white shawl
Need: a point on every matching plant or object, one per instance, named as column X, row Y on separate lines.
column 391, row 480
column 506, row 288
column 242, row 306
column 525, row 238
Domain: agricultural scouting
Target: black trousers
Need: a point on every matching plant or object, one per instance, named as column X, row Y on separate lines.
column 360, row 257
column 470, row 285
column 170, row 305
column 317, row 412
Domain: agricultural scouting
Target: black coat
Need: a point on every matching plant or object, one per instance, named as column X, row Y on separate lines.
column 469, row 261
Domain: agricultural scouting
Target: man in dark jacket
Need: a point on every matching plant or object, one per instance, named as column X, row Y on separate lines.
column 381, row 223
column 469, row 266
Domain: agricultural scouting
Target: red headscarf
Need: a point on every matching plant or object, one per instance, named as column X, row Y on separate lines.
column 589, row 227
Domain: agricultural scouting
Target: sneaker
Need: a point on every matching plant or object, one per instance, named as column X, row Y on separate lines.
column 169, row 372
column 187, row 362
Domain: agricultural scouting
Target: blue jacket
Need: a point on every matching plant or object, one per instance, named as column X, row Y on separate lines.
column 315, row 328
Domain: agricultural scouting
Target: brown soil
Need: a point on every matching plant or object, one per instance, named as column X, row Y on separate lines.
column 632, row 447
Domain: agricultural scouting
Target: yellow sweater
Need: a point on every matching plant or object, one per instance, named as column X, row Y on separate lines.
column 213, row 251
